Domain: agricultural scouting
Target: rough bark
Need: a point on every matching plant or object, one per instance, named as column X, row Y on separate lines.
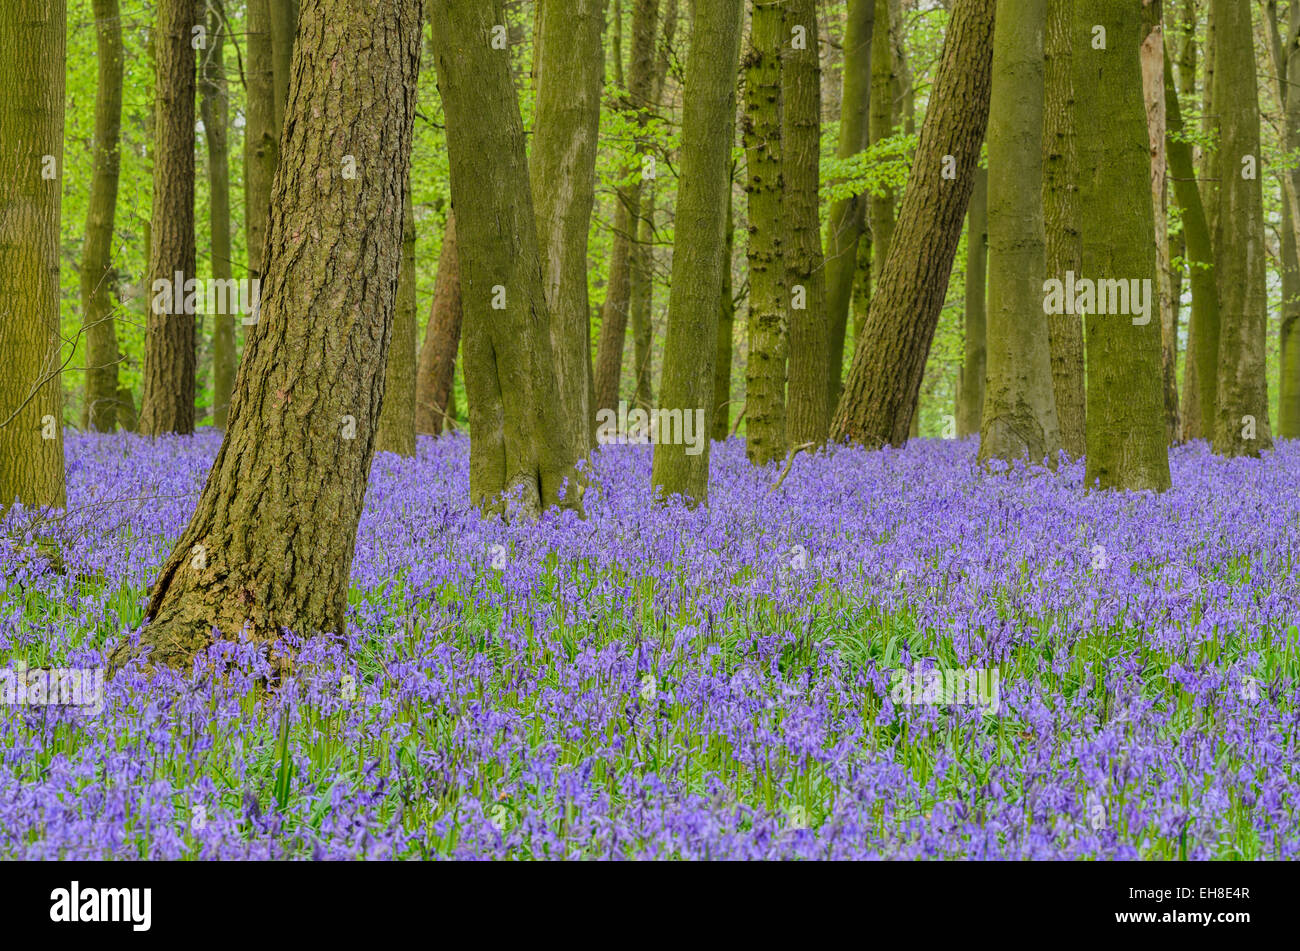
column 270, row 544
column 1061, row 219
column 215, row 104
column 32, row 58
column 568, row 73
column 169, row 359
column 1019, row 420
column 627, row 210
column 848, row 216
column 883, row 111
column 708, row 129
column 436, row 372
column 397, row 415
column 769, row 303
column 1127, row 448
column 974, row 370
column 882, row 387
column 1241, row 422
column 808, row 416
column 521, row 441
column 98, row 277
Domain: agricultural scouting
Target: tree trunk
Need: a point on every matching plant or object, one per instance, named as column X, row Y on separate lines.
column 568, row 73
column 708, row 129
column 1019, row 420
column 1127, row 448
column 436, row 372
column 641, row 273
column 98, row 280
column 1153, row 90
column 1199, row 377
column 889, row 362
column 270, row 544
column 848, row 216
column 769, row 302
column 974, row 372
column 1288, row 420
column 32, row 60
column 284, row 27
column 808, row 417
column 1061, row 219
column 215, row 104
column 1241, row 423
column 397, row 416
column 884, row 83
column 169, row 359
column 627, row 211
column 726, row 327
column 261, row 133
column 521, row 440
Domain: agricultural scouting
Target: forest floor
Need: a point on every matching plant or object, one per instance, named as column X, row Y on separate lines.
column 655, row 682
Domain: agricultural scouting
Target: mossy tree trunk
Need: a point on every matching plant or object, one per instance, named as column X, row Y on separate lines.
column 521, row 440
column 769, row 303
column 98, row 280
column 271, row 541
column 32, row 60
column 169, row 358
column 1019, row 420
column 436, row 371
column 807, row 417
column 708, row 129
column 881, row 391
column 568, row 73
column 397, row 417
column 974, row 369
column 848, row 216
column 884, row 110
column 1061, row 219
column 1288, row 421
column 1241, row 421
column 261, row 132
column 726, row 327
column 1126, row 448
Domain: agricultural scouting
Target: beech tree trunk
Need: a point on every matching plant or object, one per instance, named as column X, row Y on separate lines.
column 397, row 416
column 1061, row 219
column 726, row 327
column 169, row 359
column 1241, row 423
column 436, row 371
column 521, row 440
column 98, row 281
column 568, row 74
column 215, row 105
column 974, row 370
column 848, row 216
column 1127, row 448
column 270, row 544
column 808, row 417
column 32, row 60
column 708, row 129
column 884, row 86
column 1288, row 421
column 881, row 392
column 1019, row 420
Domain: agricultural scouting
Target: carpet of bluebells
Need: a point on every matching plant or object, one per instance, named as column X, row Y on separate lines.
column 654, row 682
